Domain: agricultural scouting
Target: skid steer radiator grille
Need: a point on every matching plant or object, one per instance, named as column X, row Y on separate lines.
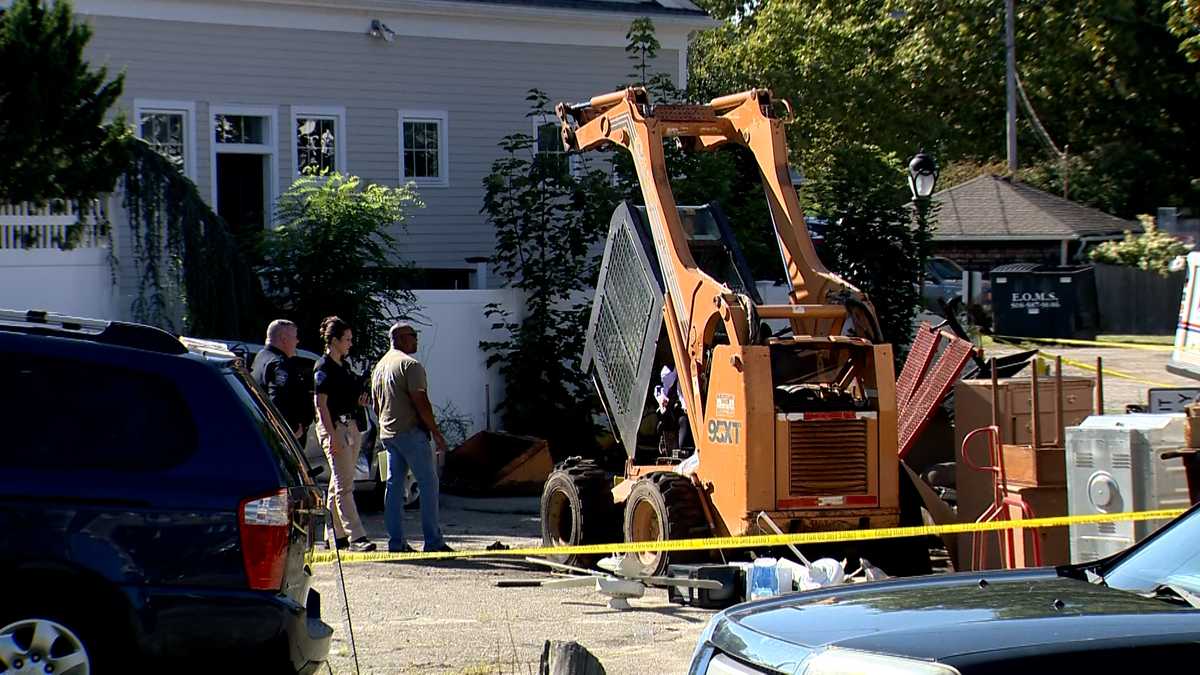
column 827, row 457
column 625, row 309
column 624, row 324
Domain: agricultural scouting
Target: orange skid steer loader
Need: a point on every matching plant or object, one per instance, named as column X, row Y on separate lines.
column 800, row 424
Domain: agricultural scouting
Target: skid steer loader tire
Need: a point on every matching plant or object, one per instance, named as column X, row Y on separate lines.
column 660, row 507
column 577, row 509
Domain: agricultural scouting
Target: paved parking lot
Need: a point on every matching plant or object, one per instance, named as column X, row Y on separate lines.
column 449, row 617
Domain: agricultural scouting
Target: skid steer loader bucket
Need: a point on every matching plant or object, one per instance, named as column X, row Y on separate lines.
column 496, row 464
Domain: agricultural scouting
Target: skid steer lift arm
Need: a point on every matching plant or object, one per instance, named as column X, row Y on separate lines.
column 698, row 305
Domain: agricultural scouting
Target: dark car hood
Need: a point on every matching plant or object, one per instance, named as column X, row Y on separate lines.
column 940, row 617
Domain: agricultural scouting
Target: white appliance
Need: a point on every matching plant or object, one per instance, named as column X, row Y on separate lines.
column 1114, row 465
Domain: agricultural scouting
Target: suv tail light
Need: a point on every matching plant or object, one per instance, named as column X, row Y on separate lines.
column 263, row 525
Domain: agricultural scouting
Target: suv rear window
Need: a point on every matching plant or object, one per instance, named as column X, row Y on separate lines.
column 273, row 429
column 68, row 415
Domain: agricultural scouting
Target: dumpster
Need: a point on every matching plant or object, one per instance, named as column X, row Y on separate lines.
column 1031, row 300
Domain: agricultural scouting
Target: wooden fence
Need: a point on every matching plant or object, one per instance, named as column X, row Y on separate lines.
column 1138, row 302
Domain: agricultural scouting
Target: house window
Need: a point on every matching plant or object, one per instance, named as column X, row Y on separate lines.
column 423, row 148
column 240, row 129
column 163, row 131
column 167, row 127
column 548, row 147
column 320, row 140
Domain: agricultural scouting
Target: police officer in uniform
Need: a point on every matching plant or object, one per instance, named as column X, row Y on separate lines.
column 283, row 376
column 338, row 394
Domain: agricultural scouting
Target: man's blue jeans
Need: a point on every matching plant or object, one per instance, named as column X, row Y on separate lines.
column 406, row 450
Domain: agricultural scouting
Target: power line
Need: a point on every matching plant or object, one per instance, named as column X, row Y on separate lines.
column 1044, row 136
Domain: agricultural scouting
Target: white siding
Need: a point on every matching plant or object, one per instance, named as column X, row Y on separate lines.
column 481, row 84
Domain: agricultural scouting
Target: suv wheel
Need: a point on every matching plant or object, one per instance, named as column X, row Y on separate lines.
column 412, row 491
column 40, row 645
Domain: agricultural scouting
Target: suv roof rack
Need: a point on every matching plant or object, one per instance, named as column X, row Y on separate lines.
column 119, row 333
column 208, row 348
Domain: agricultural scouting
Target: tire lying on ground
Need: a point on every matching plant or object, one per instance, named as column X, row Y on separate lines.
column 577, row 509
column 664, row 506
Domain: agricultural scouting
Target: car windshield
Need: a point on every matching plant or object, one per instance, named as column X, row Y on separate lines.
column 1172, row 557
column 945, row 268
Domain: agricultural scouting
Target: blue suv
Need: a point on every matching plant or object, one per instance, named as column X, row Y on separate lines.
column 153, row 508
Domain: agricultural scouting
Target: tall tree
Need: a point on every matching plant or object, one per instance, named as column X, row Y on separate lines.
column 871, row 241
column 1185, row 24
column 642, row 46
column 728, row 177
column 1105, row 77
column 54, row 140
column 547, row 219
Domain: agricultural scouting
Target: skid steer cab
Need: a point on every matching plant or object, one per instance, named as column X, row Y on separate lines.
column 731, row 411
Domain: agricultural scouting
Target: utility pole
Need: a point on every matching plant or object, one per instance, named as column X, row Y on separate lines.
column 1010, row 58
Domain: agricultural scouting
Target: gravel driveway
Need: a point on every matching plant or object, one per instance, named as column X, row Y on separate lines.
column 449, row 617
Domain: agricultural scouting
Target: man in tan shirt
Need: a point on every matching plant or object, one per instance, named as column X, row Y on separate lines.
column 400, row 391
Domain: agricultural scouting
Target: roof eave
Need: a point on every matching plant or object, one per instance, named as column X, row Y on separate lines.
column 1023, row 237
column 501, row 9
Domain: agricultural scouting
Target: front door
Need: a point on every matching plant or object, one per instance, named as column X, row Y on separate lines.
column 243, row 167
column 242, row 191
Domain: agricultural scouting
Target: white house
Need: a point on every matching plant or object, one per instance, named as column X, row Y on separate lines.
column 245, row 93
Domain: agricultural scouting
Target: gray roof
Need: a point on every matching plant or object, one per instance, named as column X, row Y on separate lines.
column 647, row 7
column 992, row 207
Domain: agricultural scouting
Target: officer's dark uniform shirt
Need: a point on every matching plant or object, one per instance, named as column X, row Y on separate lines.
column 286, row 385
column 337, row 382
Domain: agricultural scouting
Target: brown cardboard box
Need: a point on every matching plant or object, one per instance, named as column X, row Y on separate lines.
column 1046, row 502
column 1024, row 465
column 973, row 409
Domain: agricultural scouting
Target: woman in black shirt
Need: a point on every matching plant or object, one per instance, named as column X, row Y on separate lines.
column 337, row 396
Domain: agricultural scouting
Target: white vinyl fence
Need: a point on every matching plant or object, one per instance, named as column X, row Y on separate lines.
column 35, row 271
column 451, row 326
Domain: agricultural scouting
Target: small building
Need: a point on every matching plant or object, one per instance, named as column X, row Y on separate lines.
column 993, row 220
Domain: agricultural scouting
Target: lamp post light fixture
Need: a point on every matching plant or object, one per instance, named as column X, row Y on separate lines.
column 922, row 175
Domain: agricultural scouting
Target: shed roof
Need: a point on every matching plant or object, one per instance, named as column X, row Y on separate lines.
column 992, row 207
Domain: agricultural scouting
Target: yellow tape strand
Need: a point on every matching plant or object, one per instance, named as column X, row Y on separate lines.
column 1049, row 358
column 757, row 541
column 1144, row 346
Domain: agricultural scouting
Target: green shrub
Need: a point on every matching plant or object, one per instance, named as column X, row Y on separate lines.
column 1151, row 250
column 332, row 251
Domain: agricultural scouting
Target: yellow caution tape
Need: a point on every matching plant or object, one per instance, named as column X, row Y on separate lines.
column 1049, row 358
column 754, row 541
column 1145, row 346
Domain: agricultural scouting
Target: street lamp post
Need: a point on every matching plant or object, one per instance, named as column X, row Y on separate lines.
column 922, row 177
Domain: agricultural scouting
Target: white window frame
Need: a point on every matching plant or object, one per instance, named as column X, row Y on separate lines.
column 338, row 114
column 269, row 147
column 442, row 118
column 187, row 109
column 573, row 164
